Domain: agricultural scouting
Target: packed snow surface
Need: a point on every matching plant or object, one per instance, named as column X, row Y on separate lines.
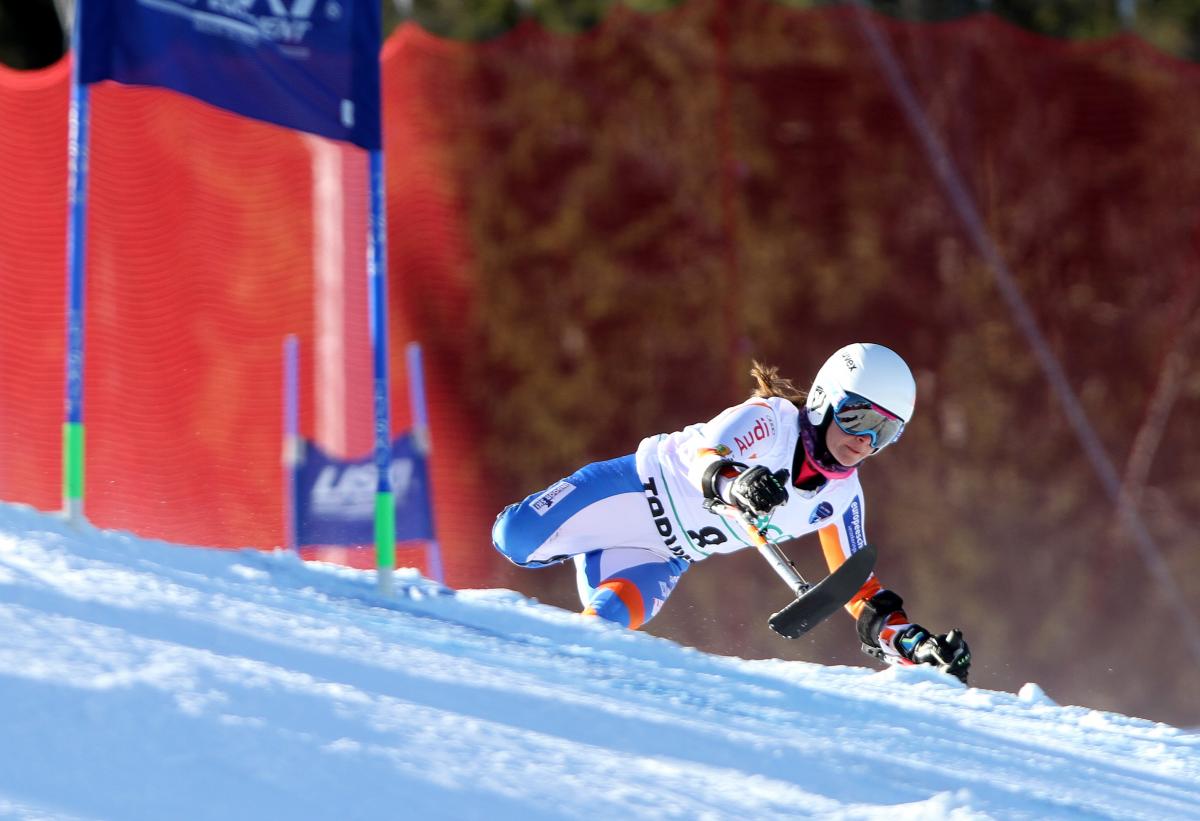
column 141, row 680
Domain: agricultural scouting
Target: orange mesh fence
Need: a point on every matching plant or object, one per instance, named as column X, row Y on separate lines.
column 33, row 148
column 200, row 260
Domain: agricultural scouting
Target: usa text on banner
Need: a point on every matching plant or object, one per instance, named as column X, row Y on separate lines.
column 335, row 499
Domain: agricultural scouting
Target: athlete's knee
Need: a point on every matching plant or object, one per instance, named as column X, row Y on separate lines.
column 506, row 536
column 516, row 538
column 619, row 601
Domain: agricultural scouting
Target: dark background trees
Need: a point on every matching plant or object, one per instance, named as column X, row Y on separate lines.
column 627, row 276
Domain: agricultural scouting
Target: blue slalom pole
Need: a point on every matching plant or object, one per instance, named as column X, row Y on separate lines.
column 385, row 505
column 420, row 415
column 77, row 154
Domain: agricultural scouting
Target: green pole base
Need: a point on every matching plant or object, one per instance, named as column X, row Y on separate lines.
column 73, row 471
column 385, row 539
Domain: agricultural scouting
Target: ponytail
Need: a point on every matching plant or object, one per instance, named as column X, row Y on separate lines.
column 770, row 383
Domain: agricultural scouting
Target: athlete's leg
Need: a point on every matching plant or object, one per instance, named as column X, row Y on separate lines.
column 600, row 505
column 626, row 585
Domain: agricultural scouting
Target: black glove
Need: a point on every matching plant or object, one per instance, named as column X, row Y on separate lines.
column 758, row 491
column 947, row 652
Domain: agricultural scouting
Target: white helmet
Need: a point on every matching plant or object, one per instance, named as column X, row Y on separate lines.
column 872, row 371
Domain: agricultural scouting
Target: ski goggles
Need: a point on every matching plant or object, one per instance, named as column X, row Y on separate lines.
column 859, row 416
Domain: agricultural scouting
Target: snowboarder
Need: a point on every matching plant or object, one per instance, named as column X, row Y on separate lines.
column 633, row 525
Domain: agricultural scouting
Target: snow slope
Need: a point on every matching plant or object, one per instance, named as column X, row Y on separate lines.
column 140, row 680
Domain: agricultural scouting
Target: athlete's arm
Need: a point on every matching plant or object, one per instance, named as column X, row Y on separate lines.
column 742, row 434
column 878, row 611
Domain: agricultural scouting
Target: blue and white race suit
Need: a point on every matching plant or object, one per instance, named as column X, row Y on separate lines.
column 634, row 524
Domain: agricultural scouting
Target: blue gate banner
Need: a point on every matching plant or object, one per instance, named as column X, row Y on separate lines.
column 335, row 498
column 311, row 65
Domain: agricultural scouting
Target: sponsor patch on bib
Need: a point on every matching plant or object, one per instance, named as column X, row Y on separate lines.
column 822, row 511
column 855, row 532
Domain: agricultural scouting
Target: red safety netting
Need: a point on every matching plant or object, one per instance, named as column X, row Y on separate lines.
column 200, row 260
